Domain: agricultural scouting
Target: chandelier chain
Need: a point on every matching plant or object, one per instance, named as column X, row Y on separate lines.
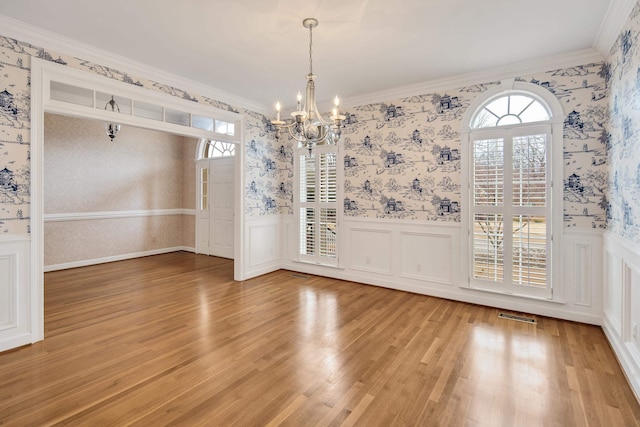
column 310, row 50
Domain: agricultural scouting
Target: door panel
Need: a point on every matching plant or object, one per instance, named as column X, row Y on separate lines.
column 222, row 176
column 215, row 206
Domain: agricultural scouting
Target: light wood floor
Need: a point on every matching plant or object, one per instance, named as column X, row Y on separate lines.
column 171, row 339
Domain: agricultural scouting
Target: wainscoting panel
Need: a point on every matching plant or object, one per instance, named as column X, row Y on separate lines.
column 582, row 269
column 262, row 245
column 15, row 293
column 427, row 257
column 612, row 294
column 370, row 250
column 8, row 291
column 621, row 320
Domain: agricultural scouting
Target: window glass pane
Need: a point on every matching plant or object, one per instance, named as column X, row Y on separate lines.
column 308, row 178
column 225, row 128
column 201, row 122
column 204, row 180
column 219, row 149
column 484, row 119
column 534, row 113
column 509, row 119
column 488, row 172
column 328, row 177
column 499, row 107
column 123, row 104
column 530, row 170
column 530, row 251
column 72, row 94
column 517, row 103
column 148, row 111
column 488, row 250
column 307, row 231
column 328, row 232
column 176, row 117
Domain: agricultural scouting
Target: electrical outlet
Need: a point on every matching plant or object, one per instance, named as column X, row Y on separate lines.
column 418, row 267
column 635, row 331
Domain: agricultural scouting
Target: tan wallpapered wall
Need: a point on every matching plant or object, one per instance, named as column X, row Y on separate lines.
column 140, row 170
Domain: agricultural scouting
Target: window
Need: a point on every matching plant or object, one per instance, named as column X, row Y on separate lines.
column 510, row 110
column 510, row 203
column 212, row 149
column 318, row 205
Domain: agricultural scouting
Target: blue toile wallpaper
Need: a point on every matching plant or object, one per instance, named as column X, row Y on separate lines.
column 622, row 73
column 402, row 158
column 267, row 164
column 268, row 171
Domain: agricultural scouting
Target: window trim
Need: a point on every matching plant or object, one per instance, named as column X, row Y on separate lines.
column 556, row 145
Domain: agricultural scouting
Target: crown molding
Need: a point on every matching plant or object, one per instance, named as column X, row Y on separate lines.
column 613, row 22
column 494, row 74
column 39, row 37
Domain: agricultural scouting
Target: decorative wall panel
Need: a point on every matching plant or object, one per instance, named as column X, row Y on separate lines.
column 427, row 257
column 370, row 250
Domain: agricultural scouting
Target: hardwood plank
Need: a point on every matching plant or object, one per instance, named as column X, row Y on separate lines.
column 172, row 339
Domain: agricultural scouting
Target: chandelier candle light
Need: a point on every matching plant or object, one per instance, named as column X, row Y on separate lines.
column 308, row 127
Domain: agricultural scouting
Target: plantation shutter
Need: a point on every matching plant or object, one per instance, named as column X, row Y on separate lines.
column 510, row 210
column 318, row 206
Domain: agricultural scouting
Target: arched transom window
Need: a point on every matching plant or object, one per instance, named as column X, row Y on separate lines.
column 512, row 109
column 213, row 149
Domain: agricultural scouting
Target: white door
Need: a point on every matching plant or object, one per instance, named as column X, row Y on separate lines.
column 221, row 219
column 214, row 231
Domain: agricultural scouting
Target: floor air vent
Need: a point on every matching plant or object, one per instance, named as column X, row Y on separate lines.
column 300, row 276
column 517, row 318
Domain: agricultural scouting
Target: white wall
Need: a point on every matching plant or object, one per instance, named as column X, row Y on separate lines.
column 621, row 304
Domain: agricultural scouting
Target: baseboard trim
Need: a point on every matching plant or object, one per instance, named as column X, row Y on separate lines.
column 87, row 262
column 630, row 369
column 86, row 216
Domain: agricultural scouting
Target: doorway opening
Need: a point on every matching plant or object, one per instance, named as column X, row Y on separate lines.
column 215, row 180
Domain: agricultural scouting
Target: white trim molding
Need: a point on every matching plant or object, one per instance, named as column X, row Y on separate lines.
column 494, row 74
column 88, row 216
column 613, row 22
column 87, row 262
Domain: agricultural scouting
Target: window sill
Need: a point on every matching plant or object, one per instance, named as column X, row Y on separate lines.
column 511, row 294
column 318, row 264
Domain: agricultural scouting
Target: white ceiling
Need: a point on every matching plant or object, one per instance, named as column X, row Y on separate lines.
column 258, row 49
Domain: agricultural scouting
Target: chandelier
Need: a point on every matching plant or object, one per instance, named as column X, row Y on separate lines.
column 308, row 127
column 112, row 129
